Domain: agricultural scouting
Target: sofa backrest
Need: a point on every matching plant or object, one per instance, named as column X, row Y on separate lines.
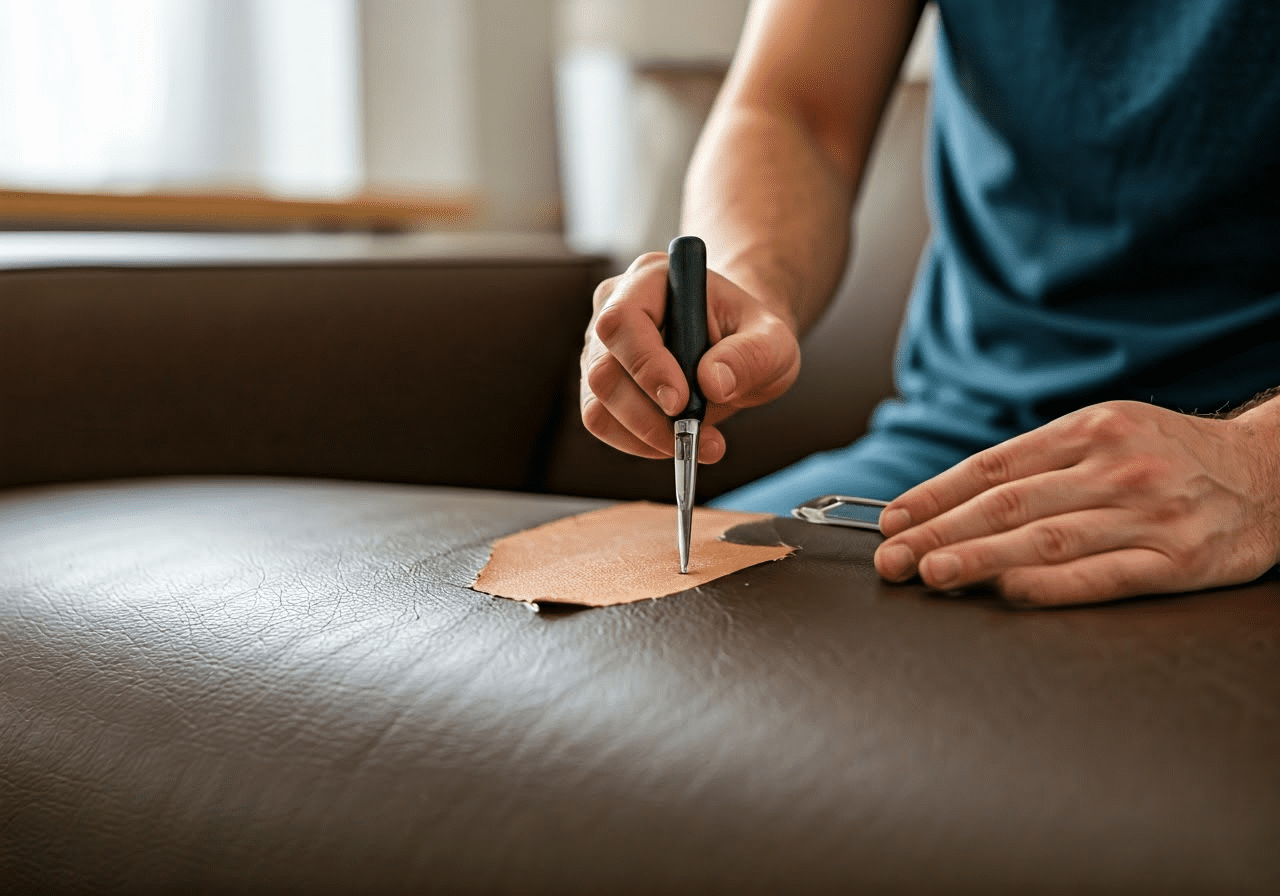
column 432, row 359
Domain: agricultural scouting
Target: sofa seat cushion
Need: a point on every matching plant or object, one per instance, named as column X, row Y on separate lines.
column 227, row 684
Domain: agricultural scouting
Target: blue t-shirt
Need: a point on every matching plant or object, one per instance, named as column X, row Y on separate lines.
column 1104, row 177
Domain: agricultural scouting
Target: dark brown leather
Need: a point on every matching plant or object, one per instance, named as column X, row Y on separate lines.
column 440, row 361
column 230, row 685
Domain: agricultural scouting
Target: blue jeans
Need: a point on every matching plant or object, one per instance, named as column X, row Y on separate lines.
column 907, row 444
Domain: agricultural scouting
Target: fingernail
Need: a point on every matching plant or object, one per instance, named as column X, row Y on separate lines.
column 943, row 568
column 899, row 562
column 894, row 521
column 669, row 400
column 724, row 378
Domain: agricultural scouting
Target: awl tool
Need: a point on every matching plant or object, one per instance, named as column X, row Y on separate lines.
column 686, row 337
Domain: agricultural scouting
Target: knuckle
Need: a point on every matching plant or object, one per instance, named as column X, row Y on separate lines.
column 1037, row 587
column 924, row 505
column 595, row 417
column 778, row 338
column 1106, row 424
column 1016, row 587
column 603, row 291
column 992, row 466
column 972, row 562
column 592, row 352
column 923, row 540
column 1053, row 543
column 1004, row 507
column 611, row 322
column 602, row 376
column 648, row 265
column 1093, row 585
column 647, row 369
column 650, row 259
column 1116, row 582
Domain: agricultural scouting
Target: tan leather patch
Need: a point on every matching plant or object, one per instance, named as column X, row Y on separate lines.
column 618, row 555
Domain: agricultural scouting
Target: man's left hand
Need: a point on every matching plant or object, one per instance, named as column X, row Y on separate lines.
column 1111, row 501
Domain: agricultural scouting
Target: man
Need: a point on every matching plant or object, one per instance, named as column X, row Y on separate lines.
column 1104, row 271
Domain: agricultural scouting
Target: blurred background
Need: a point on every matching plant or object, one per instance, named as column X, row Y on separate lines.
column 559, row 116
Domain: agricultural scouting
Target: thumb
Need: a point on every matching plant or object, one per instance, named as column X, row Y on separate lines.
column 752, row 366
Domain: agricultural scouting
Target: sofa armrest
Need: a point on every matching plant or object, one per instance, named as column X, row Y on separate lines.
column 389, row 358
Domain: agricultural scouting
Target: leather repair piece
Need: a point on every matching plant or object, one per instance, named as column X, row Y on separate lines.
column 618, row 555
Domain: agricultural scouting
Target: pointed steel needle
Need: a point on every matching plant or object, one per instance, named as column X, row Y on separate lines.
column 686, row 479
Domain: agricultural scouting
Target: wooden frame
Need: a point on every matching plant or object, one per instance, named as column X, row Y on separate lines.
column 37, row 210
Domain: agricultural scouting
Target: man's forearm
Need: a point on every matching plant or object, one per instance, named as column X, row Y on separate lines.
column 774, row 213
column 772, row 182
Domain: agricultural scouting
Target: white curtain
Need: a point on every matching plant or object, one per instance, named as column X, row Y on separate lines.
column 129, row 95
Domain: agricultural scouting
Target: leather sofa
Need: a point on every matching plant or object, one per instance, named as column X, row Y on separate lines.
column 245, row 482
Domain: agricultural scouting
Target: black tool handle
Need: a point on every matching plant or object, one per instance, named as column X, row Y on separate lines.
column 686, row 319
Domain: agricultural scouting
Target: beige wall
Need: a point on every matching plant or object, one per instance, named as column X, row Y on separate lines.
column 458, row 94
column 515, row 50
column 417, row 94
column 665, row 60
column 655, row 30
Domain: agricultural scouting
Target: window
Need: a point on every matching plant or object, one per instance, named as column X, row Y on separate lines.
column 232, row 111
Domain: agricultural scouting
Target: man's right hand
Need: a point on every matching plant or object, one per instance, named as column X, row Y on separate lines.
column 632, row 386
column 770, row 189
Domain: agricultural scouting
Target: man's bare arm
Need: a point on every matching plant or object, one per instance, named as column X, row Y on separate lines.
column 772, row 182
column 770, row 191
